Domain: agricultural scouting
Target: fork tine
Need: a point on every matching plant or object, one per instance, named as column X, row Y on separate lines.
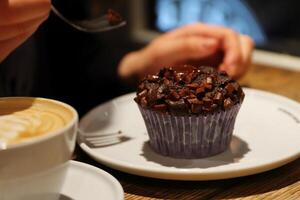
column 100, row 138
column 99, row 142
column 97, row 134
column 97, row 139
column 90, row 135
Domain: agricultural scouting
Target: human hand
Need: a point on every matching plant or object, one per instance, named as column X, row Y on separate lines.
column 19, row 19
column 197, row 42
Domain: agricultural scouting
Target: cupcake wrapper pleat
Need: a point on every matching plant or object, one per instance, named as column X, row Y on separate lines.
column 190, row 136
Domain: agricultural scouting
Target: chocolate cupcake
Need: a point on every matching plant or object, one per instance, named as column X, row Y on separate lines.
column 189, row 112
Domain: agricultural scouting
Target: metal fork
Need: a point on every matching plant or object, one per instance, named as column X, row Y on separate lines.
column 100, row 24
column 101, row 140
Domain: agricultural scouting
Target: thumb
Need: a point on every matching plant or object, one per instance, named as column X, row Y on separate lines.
column 7, row 46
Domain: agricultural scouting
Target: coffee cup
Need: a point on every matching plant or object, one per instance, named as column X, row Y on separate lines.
column 37, row 135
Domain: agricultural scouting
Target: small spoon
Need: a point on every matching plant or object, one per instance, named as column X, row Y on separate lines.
column 96, row 25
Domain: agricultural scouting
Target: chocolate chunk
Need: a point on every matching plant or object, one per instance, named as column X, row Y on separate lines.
column 214, row 106
column 209, row 80
column 191, row 96
column 209, row 95
column 188, row 78
column 193, row 85
column 196, row 108
column 152, row 78
column 144, row 102
column 167, row 73
column 184, row 92
column 207, row 101
column 195, row 105
column 235, row 85
column 177, row 107
column 208, row 70
column 162, row 89
column 218, row 97
column 160, row 96
column 208, row 86
column 152, row 96
column 228, row 103
column 141, row 86
column 151, row 86
column 160, row 107
column 194, row 101
column 200, row 89
column 178, row 78
column 230, row 88
column 223, row 79
column 142, row 94
column 166, row 82
column 174, row 96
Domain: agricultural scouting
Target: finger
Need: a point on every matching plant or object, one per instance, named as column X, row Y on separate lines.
column 232, row 50
column 8, row 46
column 171, row 52
column 12, row 31
column 247, row 45
column 197, row 29
column 166, row 53
column 18, row 11
column 232, row 60
column 228, row 38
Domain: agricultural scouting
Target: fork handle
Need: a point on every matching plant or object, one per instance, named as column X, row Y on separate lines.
column 57, row 13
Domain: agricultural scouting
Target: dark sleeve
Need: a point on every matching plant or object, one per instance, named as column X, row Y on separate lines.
column 17, row 71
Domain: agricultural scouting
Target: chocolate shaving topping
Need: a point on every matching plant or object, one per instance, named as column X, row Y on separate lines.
column 174, row 95
column 177, row 107
column 113, row 17
column 190, row 90
column 200, row 89
column 142, row 93
column 228, row 103
column 230, row 88
column 160, row 107
column 143, row 102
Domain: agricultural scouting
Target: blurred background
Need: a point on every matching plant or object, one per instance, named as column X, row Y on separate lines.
column 62, row 63
column 273, row 24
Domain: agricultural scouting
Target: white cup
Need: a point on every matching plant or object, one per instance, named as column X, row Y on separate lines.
column 25, row 167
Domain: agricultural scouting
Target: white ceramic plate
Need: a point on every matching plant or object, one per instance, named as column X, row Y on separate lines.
column 266, row 136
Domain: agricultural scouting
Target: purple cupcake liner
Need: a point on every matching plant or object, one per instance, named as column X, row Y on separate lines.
column 190, row 136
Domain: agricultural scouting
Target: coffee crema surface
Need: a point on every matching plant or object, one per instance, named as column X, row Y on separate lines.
column 22, row 118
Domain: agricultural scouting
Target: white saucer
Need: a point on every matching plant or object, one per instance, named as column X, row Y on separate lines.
column 70, row 181
column 266, row 136
column 84, row 181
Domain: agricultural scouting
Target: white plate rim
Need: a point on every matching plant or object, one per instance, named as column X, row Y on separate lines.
column 186, row 174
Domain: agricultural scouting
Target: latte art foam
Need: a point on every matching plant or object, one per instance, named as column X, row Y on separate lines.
column 21, row 120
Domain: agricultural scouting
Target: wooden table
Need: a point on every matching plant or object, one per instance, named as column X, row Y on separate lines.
column 282, row 183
